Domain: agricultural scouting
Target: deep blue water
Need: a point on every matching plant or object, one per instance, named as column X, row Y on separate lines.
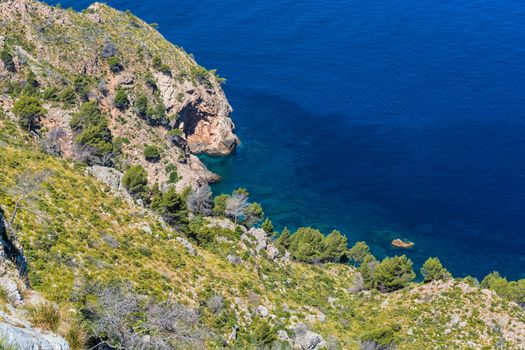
column 379, row 118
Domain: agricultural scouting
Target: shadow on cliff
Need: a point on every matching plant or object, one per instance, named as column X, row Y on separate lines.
column 10, row 251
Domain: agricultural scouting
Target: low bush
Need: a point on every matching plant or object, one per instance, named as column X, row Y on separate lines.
column 151, row 154
column 135, row 180
column 121, row 99
column 29, row 110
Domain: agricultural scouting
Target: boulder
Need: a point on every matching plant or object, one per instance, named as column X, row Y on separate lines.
column 307, row 340
column 31, row 339
column 273, row 252
column 282, row 335
column 261, row 238
column 11, row 289
column 263, row 311
column 186, row 245
column 234, row 260
column 109, row 176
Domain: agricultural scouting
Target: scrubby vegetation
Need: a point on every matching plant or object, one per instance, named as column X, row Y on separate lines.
column 29, row 110
column 93, row 137
column 171, row 267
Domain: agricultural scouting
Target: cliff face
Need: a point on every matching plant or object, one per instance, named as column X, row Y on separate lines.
column 117, row 51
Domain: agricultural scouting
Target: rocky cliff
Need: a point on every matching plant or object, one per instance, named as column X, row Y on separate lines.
column 95, row 54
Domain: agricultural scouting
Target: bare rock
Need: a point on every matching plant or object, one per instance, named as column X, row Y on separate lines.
column 204, row 117
column 31, row 339
column 307, row 340
column 11, row 289
column 282, row 335
column 186, row 245
column 261, row 238
column 263, row 311
column 109, row 176
column 234, row 260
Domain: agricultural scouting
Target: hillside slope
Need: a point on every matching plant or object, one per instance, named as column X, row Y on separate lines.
column 131, row 264
column 74, row 57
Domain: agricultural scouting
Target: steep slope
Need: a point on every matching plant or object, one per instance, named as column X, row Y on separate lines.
column 82, row 95
column 95, row 54
column 77, row 233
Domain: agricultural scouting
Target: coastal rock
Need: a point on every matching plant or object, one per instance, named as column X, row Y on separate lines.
column 402, row 244
column 204, row 117
column 31, row 339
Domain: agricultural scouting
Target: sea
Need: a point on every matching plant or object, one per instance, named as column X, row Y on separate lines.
column 381, row 119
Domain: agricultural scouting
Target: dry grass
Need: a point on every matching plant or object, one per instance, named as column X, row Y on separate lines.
column 45, row 316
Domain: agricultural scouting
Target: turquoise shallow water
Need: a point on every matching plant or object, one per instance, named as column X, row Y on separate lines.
column 379, row 118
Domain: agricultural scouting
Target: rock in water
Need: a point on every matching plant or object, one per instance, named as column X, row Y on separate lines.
column 402, row 244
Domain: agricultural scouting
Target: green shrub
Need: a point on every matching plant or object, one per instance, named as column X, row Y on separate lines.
column 263, row 334
column 253, row 214
column 382, row 338
column 50, row 93
column 150, row 81
column 367, row 271
column 267, row 226
column 121, row 99
column 172, row 207
column 141, row 105
column 29, row 110
column 151, row 154
column 173, row 177
column 433, row 270
column 7, row 60
column 135, row 180
column 393, row 273
column 158, row 65
column 68, row 96
column 306, row 245
column 358, row 253
column 219, row 204
column 115, row 65
column 334, row 247
column 81, row 86
column 284, row 239
column 514, row 290
column 92, row 129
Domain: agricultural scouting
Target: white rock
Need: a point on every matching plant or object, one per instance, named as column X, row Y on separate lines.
column 262, row 310
column 31, row 339
column 109, row 176
column 282, row 335
column 307, row 340
column 186, row 245
column 11, row 288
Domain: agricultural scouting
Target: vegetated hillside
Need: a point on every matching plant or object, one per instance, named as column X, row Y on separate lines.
column 98, row 220
column 147, row 91
column 86, row 245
